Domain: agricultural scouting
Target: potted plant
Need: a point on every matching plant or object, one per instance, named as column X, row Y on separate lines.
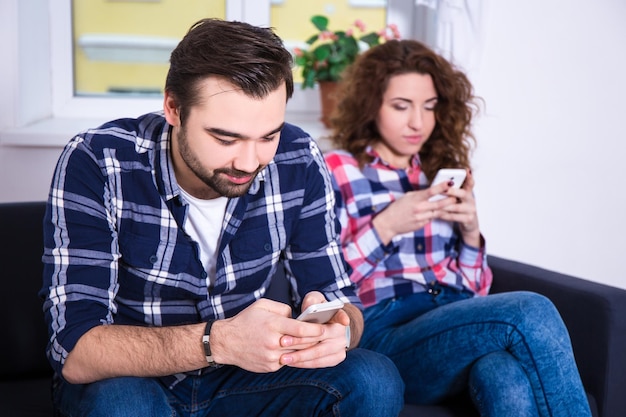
column 330, row 52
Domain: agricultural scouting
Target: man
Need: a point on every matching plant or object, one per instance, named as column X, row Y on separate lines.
column 162, row 234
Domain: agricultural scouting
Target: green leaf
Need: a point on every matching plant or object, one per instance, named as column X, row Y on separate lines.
column 350, row 47
column 335, row 72
column 309, row 79
column 334, row 59
column 312, row 39
column 371, row 39
column 322, row 52
column 301, row 61
column 320, row 22
column 323, row 74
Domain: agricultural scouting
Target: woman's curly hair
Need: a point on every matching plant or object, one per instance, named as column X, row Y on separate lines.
column 360, row 98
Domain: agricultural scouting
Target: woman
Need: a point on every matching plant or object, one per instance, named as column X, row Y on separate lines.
column 420, row 263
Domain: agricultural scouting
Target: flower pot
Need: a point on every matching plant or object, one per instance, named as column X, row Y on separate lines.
column 328, row 100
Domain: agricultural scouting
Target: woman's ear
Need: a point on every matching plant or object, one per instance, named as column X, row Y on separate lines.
column 170, row 109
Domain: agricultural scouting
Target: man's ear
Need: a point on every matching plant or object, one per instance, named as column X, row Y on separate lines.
column 170, row 109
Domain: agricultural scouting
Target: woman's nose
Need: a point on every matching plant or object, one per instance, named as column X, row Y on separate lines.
column 415, row 119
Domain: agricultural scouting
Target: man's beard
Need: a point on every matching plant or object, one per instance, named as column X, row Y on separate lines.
column 216, row 179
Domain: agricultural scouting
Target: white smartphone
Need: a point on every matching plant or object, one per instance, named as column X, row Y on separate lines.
column 321, row 313
column 456, row 175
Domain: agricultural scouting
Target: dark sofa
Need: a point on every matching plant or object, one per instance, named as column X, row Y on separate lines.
column 594, row 313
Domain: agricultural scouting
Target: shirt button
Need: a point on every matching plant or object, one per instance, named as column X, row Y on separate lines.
column 420, row 247
column 204, row 274
column 267, row 247
column 434, row 291
column 153, row 259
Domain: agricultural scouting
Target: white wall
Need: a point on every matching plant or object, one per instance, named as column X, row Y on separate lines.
column 550, row 164
column 550, row 142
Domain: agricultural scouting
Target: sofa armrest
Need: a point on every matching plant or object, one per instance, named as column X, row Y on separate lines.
column 595, row 315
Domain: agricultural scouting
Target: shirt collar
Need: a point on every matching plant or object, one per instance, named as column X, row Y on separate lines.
column 378, row 160
column 171, row 188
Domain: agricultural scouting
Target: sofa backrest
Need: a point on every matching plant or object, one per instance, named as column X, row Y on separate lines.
column 24, row 334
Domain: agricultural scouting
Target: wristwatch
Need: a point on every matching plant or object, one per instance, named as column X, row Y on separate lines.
column 207, row 345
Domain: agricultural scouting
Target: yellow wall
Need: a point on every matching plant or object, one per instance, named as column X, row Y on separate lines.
column 163, row 18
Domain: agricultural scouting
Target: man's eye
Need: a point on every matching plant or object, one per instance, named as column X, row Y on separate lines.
column 225, row 142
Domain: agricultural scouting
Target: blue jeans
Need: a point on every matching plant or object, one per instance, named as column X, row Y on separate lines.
column 511, row 351
column 365, row 384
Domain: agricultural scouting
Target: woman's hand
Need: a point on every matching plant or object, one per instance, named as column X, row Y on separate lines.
column 460, row 207
column 411, row 212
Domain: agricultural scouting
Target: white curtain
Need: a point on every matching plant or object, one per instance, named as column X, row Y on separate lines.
column 454, row 28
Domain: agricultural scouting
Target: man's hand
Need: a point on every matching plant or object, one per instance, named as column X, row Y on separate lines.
column 264, row 337
column 328, row 348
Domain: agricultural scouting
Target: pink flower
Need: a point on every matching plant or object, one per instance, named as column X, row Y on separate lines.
column 297, row 51
column 327, row 35
column 394, row 30
column 349, row 32
column 360, row 24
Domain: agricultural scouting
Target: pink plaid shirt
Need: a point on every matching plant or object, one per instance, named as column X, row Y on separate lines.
column 411, row 261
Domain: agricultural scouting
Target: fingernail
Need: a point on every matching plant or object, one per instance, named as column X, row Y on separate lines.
column 285, row 360
column 450, row 183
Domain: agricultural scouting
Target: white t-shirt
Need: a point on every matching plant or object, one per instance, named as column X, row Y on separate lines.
column 204, row 224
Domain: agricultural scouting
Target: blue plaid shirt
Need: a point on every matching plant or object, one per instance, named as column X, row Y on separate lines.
column 116, row 251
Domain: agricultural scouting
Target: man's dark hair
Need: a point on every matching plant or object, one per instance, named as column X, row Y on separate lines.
column 250, row 57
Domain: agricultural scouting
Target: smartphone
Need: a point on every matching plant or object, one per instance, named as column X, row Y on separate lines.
column 321, row 313
column 456, row 175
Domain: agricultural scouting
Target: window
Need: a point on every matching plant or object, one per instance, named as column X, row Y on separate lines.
column 122, row 47
column 39, row 74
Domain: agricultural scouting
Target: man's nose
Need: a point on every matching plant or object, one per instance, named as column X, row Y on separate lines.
column 247, row 159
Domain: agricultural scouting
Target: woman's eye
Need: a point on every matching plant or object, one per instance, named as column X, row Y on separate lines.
column 431, row 105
